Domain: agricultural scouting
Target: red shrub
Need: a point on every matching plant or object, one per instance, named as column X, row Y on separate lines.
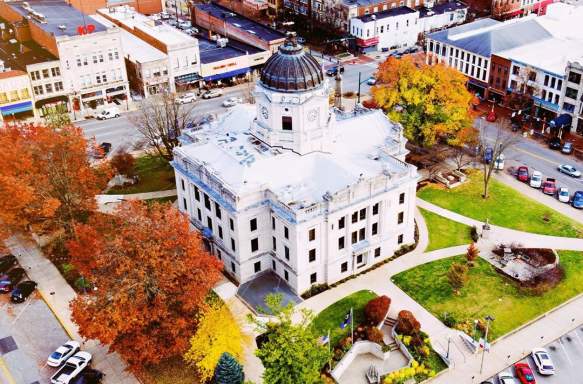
column 407, row 324
column 376, row 309
column 374, row 334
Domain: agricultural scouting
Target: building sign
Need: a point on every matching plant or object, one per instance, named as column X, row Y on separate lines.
column 367, row 42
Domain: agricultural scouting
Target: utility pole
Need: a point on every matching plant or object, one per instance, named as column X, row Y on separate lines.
column 488, row 319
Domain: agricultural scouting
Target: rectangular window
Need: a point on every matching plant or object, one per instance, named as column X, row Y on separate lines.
column 341, row 223
column 253, row 224
column 400, row 239
column 182, row 184
column 218, row 210
column 46, row 73
column 362, row 214
column 273, row 265
column 344, row 267
column 233, row 267
column 196, row 194
column 231, row 224
column 515, row 70
column 312, row 255
column 220, row 232
column 286, row 252
column 184, row 204
column 559, row 84
column 571, row 93
column 400, row 217
column 361, row 234
column 285, row 232
column 355, row 217
column 233, row 244
column 553, row 82
column 207, row 202
column 209, row 223
column 312, row 234
column 199, row 214
column 35, row 75
column 546, row 82
column 274, row 241
column 219, row 255
column 375, row 209
column 377, row 252
column 257, row 266
column 341, row 242
column 38, row 90
column 286, row 275
column 286, row 123
column 375, row 228
column 402, row 198
column 273, row 223
column 254, row 244
column 354, row 238
column 313, row 278
column 574, row 77
column 359, row 259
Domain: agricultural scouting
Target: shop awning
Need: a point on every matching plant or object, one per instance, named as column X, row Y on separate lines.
column 188, row 78
column 16, row 108
column 51, row 100
column 225, row 75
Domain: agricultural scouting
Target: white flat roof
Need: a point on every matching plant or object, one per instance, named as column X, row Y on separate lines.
column 158, row 30
column 136, row 48
column 246, row 165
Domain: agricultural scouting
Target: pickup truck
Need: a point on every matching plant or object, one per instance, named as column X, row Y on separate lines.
column 73, row 366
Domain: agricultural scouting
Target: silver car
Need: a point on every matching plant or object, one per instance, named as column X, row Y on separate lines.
column 569, row 170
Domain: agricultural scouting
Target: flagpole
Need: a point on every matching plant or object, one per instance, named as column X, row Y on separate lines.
column 351, row 325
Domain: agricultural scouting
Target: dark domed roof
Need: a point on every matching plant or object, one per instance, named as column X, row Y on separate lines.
column 291, row 69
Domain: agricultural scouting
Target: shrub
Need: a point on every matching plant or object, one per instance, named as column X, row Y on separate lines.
column 314, row 290
column 472, row 254
column 457, row 276
column 123, row 163
column 374, row 334
column 376, row 309
column 228, row 370
column 407, row 324
column 474, row 234
column 449, row 320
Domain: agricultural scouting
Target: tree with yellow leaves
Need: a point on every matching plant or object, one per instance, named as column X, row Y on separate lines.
column 217, row 333
column 431, row 102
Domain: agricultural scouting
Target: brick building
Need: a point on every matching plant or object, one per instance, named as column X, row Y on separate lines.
column 89, row 7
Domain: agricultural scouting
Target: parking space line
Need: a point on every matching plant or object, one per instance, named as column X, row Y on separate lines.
column 6, row 372
column 565, row 351
column 578, row 337
column 21, row 312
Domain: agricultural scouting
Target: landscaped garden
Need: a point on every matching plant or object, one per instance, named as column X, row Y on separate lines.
column 153, row 174
column 505, row 207
column 487, row 292
column 443, row 232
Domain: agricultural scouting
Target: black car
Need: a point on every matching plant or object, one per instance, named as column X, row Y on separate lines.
column 7, row 262
column 555, row 143
column 334, row 70
column 88, row 376
column 10, row 279
column 22, row 291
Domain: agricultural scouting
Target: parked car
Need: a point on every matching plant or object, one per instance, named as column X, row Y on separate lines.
column 191, row 31
column 185, row 98
column 212, row 93
column 185, row 24
column 9, row 280
column 569, row 170
column 506, row 378
column 522, row 174
column 371, row 80
column 396, row 55
column 172, row 22
column 22, row 291
column 89, row 376
column 555, row 143
column 411, row 50
column 7, row 262
column 524, row 373
column 567, row 148
column 232, row 101
column 563, row 195
column 577, row 200
column 164, row 15
column 108, row 113
column 542, row 360
column 332, row 71
column 72, row 368
column 488, row 155
column 61, row 354
column 536, row 180
column 550, row 186
column 499, row 162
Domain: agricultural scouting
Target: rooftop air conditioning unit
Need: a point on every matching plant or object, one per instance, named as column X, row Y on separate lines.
column 222, row 42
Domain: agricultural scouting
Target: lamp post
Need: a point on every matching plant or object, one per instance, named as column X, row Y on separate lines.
column 359, row 83
column 488, row 319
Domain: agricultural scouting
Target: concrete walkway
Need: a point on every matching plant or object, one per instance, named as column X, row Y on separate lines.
column 107, row 203
column 57, row 293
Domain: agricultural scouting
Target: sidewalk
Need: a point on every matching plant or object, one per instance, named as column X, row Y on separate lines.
column 57, row 293
column 106, row 203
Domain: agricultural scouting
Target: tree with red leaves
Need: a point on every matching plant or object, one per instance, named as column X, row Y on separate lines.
column 151, row 277
column 376, row 309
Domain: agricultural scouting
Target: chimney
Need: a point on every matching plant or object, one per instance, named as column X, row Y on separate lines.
column 338, row 92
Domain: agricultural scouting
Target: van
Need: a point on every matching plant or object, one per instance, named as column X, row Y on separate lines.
column 108, row 113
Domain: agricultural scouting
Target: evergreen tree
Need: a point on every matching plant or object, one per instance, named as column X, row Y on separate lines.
column 228, row 370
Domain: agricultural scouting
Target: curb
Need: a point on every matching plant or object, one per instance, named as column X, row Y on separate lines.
column 7, row 373
column 65, row 328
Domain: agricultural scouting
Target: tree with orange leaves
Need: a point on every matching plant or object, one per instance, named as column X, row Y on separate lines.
column 46, row 180
column 431, row 102
column 151, row 277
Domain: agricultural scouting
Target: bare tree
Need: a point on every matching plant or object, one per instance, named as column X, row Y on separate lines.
column 161, row 120
column 502, row 140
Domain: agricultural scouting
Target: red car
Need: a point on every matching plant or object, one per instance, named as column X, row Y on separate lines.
column 524, row 373
column 550, row 186
column 522, row 174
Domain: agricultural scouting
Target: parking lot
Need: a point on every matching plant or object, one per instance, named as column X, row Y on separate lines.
column 29, row 332
column 567, row 356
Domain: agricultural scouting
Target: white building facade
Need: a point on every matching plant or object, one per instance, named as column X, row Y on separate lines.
column 291, row 187
column 572, row 100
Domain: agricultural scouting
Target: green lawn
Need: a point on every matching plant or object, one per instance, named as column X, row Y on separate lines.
column 505, row 207
column 331, row 317
column 487, row 292
column 444, row 233
column 155, row 175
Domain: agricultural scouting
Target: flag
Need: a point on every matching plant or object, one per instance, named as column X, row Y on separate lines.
column 347, row 320
column 324, row 339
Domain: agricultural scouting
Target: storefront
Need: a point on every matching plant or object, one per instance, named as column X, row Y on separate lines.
column 51, row 105
column 17, row 111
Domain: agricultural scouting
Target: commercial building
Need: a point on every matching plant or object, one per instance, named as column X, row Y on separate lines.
column 181, row 49
column 146, row 7
column 508, row 9
column 572, row 97
column 15, row 95
column 233, row 26
column 291, row 187
column 438, row 16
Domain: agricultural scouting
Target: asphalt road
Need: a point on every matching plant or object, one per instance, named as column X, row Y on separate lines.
column 567, row 355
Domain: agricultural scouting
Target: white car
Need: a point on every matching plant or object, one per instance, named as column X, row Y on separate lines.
column 499, row 162
column 72, row 368
column 108, row 113
column 184, row 25
column 63, row 353
column 186, row 98
column 563, row 195
column 543, row 362
column 536, row 179
column 212, row 93
column 506, row 378
column 232, row 101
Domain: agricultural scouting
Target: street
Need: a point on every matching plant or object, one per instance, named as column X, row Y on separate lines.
column 567, row 355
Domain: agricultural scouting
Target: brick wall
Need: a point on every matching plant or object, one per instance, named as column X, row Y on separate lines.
column 499, row 74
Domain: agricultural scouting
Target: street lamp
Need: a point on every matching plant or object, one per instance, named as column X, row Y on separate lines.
column 488, row 319
column 359, row 83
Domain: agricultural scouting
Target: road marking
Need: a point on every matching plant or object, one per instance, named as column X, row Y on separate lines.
column 6, row 372
column 21, row 312
column 579, row 338
column 565, row 351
